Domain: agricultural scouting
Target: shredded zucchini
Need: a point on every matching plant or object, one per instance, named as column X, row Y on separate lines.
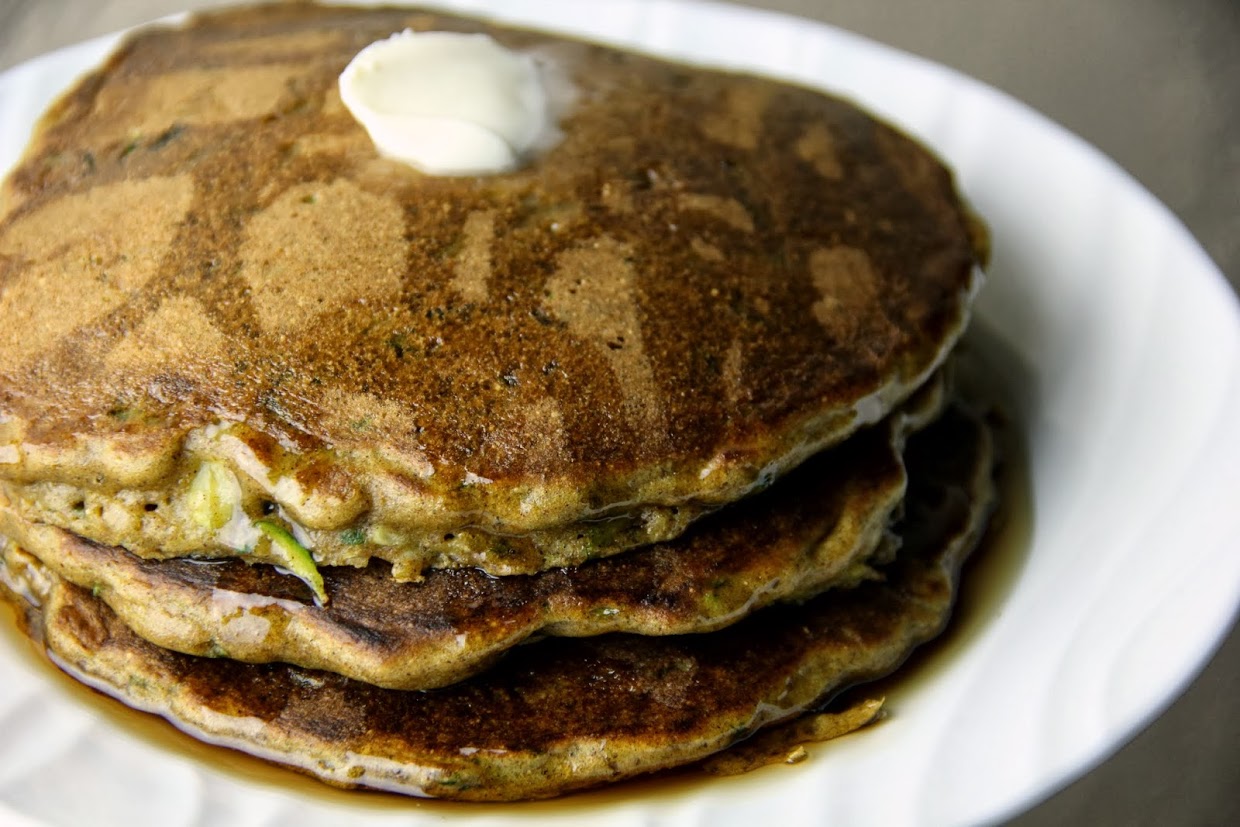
column 213, row 496
column 295, row 557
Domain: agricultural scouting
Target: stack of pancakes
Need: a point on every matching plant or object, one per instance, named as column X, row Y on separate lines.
column 487, row 487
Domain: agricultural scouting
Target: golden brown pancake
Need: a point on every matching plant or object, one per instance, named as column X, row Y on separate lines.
column 297, row 443
column 710, row 278
column 819, row 527
column 564, row 713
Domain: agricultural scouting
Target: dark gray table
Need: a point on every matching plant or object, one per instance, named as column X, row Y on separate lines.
column 1156, row 85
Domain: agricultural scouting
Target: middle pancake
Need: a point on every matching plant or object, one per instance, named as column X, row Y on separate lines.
column 815, row 529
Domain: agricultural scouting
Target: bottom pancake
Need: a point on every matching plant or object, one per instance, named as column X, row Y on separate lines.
column 561, row 714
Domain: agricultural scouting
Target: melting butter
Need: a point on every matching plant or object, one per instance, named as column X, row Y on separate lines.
column 449, row 103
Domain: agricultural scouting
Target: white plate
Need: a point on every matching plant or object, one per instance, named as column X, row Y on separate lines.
column 1132, row 343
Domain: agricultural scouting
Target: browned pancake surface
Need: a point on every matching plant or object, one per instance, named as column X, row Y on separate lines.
column 694, row 287
column 564, row 713
column 817, row 528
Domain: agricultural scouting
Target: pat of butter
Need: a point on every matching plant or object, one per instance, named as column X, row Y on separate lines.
column 448, row 103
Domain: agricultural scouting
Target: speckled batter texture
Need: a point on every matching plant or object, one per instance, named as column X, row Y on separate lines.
column 472, row 370
column 297, row 444
column 562, row 714
column 826, row 525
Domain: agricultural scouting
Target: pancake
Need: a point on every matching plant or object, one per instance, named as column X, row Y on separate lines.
column 562, row 714
column 819, row 527
column 708, row 279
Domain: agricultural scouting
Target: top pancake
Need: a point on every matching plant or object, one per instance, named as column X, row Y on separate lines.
column 709, row 278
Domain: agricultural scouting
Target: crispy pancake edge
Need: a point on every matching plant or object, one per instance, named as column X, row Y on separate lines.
column 815, row 529
column 635, row 704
